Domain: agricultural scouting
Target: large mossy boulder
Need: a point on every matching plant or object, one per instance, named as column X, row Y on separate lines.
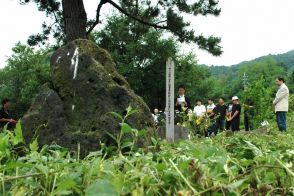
column 76, row 107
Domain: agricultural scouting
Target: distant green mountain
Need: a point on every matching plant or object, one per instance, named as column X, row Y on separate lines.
column 228, row 80
column 286, row 59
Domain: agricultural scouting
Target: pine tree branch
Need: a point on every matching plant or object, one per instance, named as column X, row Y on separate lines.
column 96, row 22
column 136, row 18
column 102, row 2
column 54, row 13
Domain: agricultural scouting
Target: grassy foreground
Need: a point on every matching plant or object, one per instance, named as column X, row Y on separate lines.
column 258, row 163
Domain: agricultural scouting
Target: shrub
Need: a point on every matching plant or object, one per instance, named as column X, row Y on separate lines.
column 291, row 103
column 260, row 97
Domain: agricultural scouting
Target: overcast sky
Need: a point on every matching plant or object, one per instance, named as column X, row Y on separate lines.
column 248, row 28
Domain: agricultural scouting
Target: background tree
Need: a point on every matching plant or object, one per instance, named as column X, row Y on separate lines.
column 141, row 52
column 268, row 68
column 290, row 81
column 291, row 103
column 196, row 78
column 70, row 19
column 21, row 79
column 261, row 98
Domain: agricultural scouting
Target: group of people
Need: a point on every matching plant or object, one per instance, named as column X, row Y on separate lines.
column 227, row 116
column 224, row 116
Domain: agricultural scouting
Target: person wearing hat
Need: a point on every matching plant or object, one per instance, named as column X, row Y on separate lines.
column 235, row 116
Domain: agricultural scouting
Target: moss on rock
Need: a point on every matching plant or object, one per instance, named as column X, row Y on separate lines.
column 86, row 87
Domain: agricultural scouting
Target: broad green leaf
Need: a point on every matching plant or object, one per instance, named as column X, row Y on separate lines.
column 255, row 149
column 4, row 141
column 126, row 128
column 34, row 146
column 132, row 112
column 32, row 183
column 269, row 177
column 14, row 165
column 235, row 185
column 142, row 132
column 43, row 169
column 19, row 191
column 129, row 109
column 127, row 144
column 101, row 187
column 154, row 141
column 18, row 138
column 65, row 186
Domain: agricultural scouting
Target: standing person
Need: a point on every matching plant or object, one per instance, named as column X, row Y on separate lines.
column 5, row 116
column 182, row 102
column 248, row 114
column 221, row 111
column 210, row 107
column 199, row 109
column 218, row 113
column 229, row 112
column 281, row 104
column 235, row 116
column 211, row 130
column 155, row 116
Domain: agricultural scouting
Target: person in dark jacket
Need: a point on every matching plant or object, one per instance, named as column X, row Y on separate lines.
column 248, row 114
column 218, row 116
column 235, row 116
column 221, row 111
column 5, row 115
column 182, row 102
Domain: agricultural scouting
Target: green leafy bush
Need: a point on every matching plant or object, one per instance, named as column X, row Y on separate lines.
column 239, row 164
column 291, row 103
column 21, row 79
column 260, row 98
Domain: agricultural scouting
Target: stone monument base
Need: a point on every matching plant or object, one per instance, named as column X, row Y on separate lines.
column 180, row 132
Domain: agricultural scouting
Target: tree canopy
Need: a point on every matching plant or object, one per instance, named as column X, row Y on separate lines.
column 21, row 79
column 69, row 19
column 141, row 52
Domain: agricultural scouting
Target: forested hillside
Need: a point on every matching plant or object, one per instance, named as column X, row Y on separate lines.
column 286, row 59
column 262, row 68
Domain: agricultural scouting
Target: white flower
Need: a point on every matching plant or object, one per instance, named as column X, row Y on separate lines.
column 290, row 151
column 264, row 123
column 289, row 165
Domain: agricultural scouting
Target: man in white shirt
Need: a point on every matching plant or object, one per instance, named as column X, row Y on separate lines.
column 199, row 109
column 281, row 104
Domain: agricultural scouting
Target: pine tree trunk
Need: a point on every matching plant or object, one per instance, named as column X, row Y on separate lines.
column 75, row 19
